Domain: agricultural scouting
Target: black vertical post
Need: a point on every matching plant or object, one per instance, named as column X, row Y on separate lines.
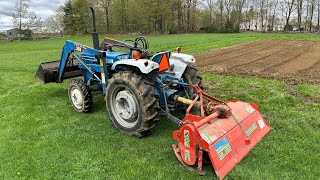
column 95, row 35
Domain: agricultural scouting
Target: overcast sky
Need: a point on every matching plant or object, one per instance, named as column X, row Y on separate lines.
column 42, row 8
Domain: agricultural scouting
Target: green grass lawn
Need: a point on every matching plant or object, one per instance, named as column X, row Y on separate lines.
column 42, row 137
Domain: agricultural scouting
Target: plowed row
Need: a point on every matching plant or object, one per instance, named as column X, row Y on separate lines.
column 292, row 61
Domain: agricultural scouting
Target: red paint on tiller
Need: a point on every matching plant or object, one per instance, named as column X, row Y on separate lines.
column 227, row 134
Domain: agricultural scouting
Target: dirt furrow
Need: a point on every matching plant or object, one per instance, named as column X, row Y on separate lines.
column 313, row 72
column 227, row 50
column 238, row 52
column 292, row 61
column 305, row 61
column 241, row 62
column 274, row 59
column 295, row 55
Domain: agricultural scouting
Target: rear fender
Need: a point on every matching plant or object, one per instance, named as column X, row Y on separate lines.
column 179, row 63
column 145, row 66
column 185, row 58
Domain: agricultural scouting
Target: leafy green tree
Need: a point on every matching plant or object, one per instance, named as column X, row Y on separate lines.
column 68, row 18
column 82, row 16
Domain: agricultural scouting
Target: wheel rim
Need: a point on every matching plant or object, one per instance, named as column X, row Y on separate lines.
column 124, row 107
column 76, row 98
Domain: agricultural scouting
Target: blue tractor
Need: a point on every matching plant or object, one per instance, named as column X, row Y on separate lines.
column 138, row 87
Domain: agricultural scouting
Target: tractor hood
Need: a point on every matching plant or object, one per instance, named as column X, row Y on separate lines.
column 115, row 56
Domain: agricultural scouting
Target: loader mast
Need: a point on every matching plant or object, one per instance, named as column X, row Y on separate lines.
column 95, row 34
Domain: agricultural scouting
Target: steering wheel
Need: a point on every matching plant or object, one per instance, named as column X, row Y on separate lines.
column 142, row 45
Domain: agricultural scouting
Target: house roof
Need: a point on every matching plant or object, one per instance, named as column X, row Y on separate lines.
column 12, row 29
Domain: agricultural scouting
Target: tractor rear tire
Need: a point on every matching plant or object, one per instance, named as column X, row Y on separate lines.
column 132, row 103
column 80, row 96
column 191, row 77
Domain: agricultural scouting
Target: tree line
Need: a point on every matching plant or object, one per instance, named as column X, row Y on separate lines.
column 183, row 16
column 154, row 16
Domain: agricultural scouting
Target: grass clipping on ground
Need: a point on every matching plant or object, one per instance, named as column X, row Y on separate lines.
column 43, row 137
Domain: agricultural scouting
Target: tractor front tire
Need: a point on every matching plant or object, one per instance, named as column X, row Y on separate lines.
column 80, row 96
column 132, row 103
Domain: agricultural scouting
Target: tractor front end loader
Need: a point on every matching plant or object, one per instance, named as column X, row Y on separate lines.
column 138, row 87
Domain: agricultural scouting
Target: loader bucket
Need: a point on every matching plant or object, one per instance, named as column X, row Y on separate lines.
column 48, row 71
column 226, row 140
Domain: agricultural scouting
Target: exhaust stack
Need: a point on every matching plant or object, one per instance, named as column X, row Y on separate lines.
column 95, row 35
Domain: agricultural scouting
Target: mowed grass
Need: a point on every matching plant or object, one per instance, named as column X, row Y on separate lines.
column 42, row 137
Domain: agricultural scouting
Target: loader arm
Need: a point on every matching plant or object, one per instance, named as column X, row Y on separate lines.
column 68, row 49
column 90, row 61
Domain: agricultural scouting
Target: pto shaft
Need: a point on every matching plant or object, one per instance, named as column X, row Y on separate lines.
column 186, row 101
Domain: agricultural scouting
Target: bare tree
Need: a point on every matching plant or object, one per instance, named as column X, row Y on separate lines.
column 190, row 6
column 105, row 4
column 266, row 13
column 239, row 6
column 221, row 8
column 288, row 9
column 124, row 14
column 299, row 8
column 33, row 22
column 21, row 9
column 54, row 23
column 307, row 16
column 210, row 5
column 273, row 5
column 312, row 5
column 262, row 5
column 250, row 16
column 180, row 17
column 318, row 15
column 24, row 19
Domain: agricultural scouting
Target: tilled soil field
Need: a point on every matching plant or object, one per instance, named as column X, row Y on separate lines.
column 289, row 60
